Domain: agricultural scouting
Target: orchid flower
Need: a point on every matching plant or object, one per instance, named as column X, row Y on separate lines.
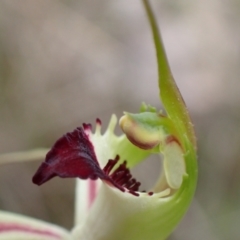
column 109, row 204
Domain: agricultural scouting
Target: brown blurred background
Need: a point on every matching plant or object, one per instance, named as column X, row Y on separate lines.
column 65, row 62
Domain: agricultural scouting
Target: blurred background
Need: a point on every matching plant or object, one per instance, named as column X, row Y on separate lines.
column 65, row 62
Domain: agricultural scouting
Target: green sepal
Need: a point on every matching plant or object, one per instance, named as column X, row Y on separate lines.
column 169, row 93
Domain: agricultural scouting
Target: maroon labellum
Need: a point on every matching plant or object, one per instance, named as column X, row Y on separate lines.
column 73, row 156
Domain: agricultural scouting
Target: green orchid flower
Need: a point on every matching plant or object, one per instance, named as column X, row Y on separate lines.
column 109, row 204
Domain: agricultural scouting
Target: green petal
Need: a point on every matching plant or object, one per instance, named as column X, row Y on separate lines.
column 169, row 93
column 177, row 111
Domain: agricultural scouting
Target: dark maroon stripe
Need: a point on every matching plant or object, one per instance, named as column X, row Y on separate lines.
column 8, row 227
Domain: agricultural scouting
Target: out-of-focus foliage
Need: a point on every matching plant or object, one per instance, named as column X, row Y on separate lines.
column 65, row 62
